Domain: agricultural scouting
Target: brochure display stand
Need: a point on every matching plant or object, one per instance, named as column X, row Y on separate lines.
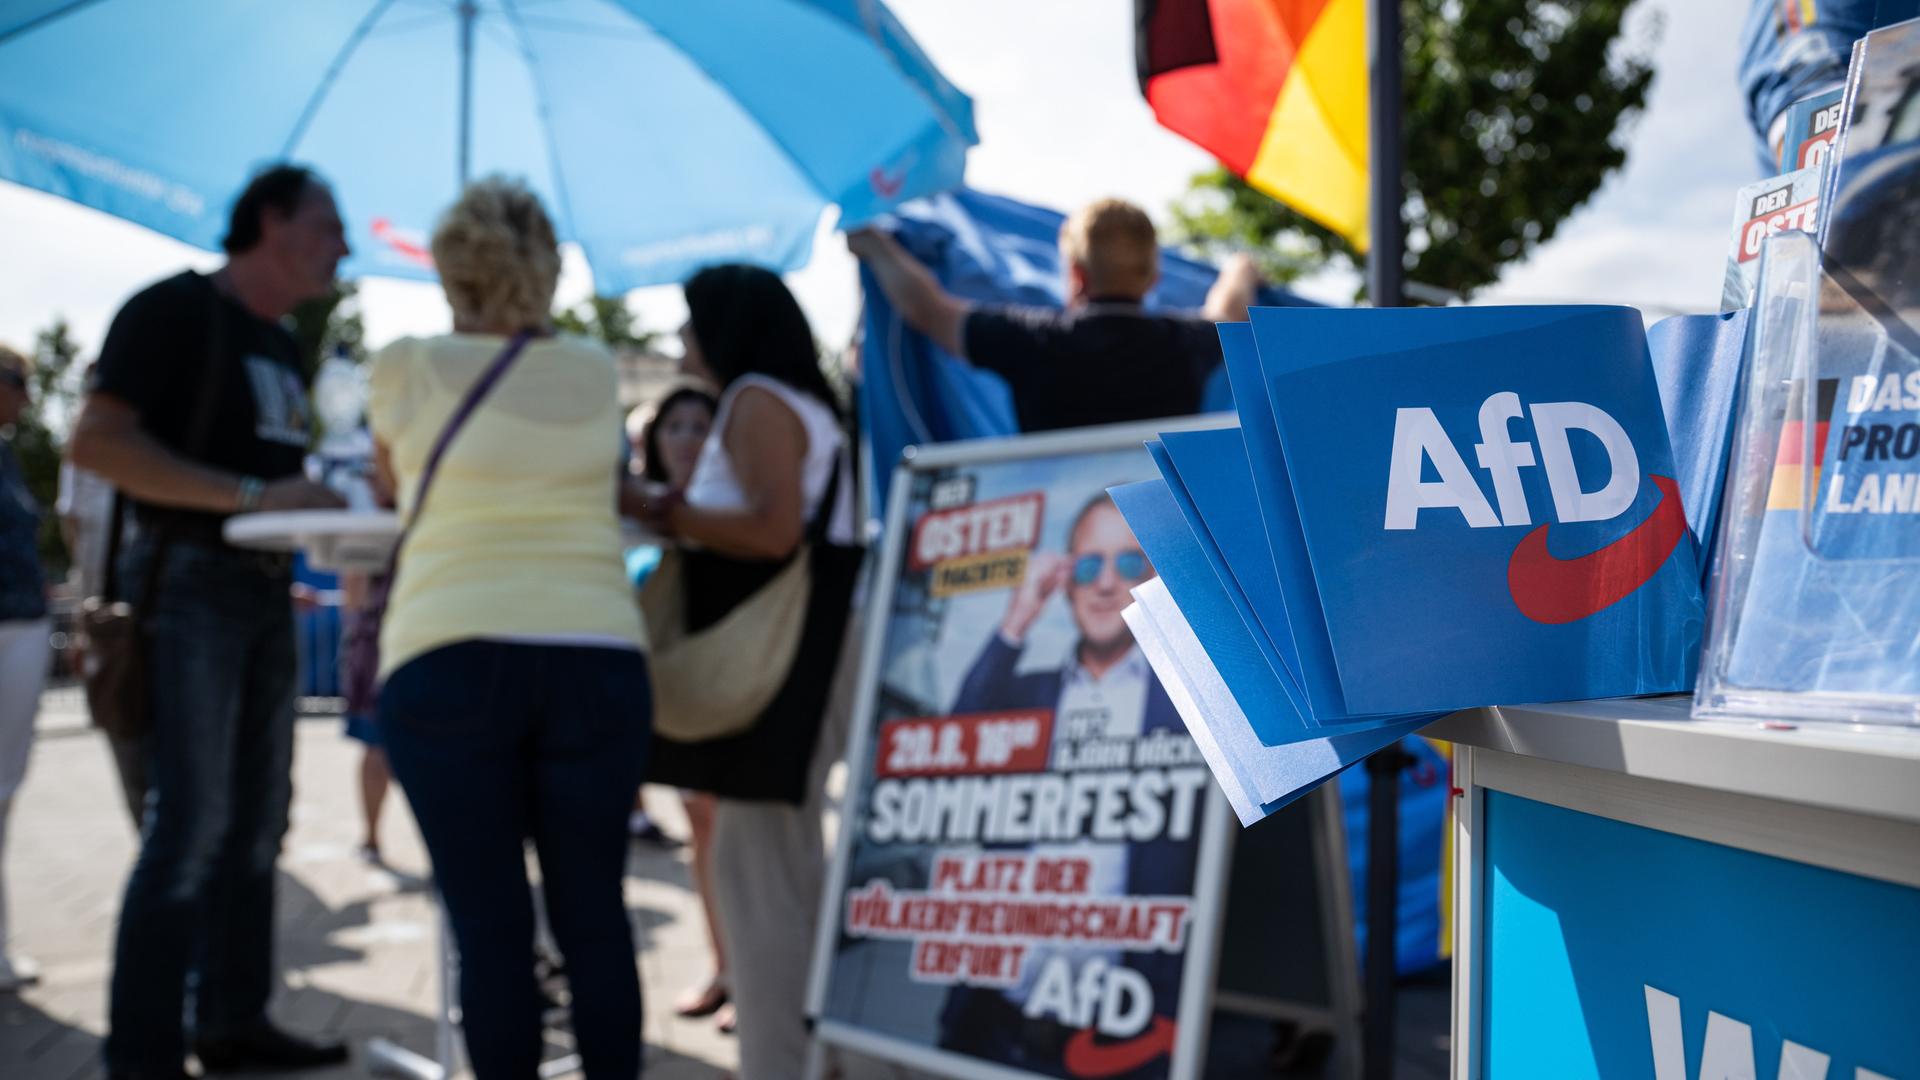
column 1812, row 607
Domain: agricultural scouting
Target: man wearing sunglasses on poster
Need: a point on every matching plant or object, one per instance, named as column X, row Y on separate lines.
column 1107, row 680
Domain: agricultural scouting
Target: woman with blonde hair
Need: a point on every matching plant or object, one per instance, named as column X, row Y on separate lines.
column 516, row 700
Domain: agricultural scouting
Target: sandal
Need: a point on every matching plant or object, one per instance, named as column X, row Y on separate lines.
column 702, row 1002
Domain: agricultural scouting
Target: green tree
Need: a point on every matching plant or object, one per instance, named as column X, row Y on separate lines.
column 1514, row 111
column 42, row 431
column 320, row 327
column 608, row 319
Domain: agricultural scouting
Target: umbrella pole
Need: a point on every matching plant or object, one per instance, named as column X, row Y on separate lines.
column 468, row 12
column 1385, row 288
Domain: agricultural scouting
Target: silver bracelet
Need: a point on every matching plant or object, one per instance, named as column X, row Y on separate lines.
column 250, row 490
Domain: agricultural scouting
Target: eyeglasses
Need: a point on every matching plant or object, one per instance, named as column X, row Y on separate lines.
column 13, row 379
column 1129, row 565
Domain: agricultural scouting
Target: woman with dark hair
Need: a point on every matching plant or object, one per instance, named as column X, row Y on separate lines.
column 667, row 436
column 773, row 480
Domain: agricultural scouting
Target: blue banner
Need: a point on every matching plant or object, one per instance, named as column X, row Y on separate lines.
column 1658, row 957
column 1499, row 491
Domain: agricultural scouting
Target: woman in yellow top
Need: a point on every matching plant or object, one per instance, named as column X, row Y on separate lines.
column 516, row 701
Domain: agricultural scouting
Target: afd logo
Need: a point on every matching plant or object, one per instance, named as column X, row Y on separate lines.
column 1728, row 1053
column 1545, row 587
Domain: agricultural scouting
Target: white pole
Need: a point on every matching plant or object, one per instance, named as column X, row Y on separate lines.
column 468, row 12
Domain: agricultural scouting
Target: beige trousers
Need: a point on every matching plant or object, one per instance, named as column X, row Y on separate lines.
column 769, row 866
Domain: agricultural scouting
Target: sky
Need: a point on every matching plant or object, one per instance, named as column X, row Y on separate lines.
column 1061, row 121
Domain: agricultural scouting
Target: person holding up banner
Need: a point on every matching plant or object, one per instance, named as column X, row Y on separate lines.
column 1105, row 359
column 773, row 485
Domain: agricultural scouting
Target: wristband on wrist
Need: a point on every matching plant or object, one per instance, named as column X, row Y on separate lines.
column 248, row 498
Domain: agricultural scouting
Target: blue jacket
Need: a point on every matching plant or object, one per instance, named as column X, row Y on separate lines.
column 1792, row 49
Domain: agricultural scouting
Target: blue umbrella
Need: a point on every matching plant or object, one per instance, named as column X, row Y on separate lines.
column 663, row 134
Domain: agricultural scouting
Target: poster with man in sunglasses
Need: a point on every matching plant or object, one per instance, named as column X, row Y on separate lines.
column 1106, row 687
column 1104, row 698
column 1018, row 874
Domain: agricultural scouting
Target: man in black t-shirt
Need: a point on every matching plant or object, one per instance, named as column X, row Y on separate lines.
column 1102, row 360
column 198, row 410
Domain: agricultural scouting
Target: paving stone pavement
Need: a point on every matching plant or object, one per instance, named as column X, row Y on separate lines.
column 358, row 942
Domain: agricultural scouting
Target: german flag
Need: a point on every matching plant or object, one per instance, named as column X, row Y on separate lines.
column 1276, row 89
column 1790, row 458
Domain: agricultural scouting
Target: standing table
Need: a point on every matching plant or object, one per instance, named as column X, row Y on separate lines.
column 1640, row 894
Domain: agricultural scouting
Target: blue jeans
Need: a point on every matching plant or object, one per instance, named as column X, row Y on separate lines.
column 219, row 755
column 496, row 743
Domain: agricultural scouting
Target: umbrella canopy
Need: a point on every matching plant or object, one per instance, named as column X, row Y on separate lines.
column 663, row 134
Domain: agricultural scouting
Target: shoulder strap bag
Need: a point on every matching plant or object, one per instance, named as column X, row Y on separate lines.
column 718, row 681
column 114, row 669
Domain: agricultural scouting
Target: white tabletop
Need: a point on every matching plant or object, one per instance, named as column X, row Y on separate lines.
column 360, row 540
column 332, row 540
column 1866, row 769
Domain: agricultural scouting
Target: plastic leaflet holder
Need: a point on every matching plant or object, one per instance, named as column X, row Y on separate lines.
column 1814, row 606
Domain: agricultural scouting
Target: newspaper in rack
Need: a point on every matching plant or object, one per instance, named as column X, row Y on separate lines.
column 1810, row 128
column 1784, row 203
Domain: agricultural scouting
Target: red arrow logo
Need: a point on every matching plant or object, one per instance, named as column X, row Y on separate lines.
column 399, row 241
column 884, row 185
column 1551, row 590
column 1086, row 1058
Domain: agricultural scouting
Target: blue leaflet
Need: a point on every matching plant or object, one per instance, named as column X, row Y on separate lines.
column 1253, row 771
column 1453, row 603
column 1696, row 361
column 1212, row 466
column 1448, row 508
column 1274, row 490
column 1155, row 518
column 1209, row 549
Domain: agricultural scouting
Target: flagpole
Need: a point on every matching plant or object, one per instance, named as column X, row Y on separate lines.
column 1385, row 277
column 1386, row 288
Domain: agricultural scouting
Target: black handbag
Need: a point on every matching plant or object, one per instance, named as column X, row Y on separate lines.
column 770, row 760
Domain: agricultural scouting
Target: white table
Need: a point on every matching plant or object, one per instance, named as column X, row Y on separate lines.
column 1641, row 894
column 333, row 540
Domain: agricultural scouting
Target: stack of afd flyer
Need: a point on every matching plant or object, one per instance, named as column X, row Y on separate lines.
column 1422, row 510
